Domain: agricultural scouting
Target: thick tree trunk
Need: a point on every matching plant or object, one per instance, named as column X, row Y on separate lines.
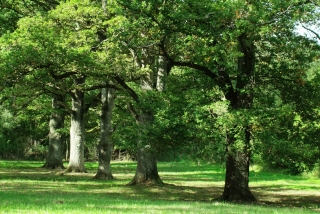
column 237, row 171
column 147, row 170
column 105, row 147
column 237, row 163
column 56, row 140
column 77, row 129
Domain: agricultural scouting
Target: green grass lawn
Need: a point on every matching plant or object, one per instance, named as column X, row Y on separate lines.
column 27, row 188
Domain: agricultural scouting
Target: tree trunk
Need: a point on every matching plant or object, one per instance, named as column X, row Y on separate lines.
column 77, row 129
column 162, row 73
column 237, row 163
column 147, row 170
column 56, row 139
column 105, row 145
column 237, row 171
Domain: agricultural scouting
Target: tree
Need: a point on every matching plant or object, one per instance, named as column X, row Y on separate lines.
column 10, row 13
column 77, row 128
column 220, row 40
column 294, row 105
column 146, row 171
column 245, row 48
column 56, row 138
column 59, row 44
column 105, row 146
column 140, row 82
column 7, row 121
column 240, row 91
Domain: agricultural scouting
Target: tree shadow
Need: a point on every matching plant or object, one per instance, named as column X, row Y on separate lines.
column 286, row 197
column 179, row 186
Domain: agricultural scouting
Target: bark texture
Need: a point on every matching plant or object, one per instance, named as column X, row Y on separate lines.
column 237, row 164
column 237, row 172
column 56, row 140
column 162, row 73
column 77, row 131
column 147, row 170
column 105, row 146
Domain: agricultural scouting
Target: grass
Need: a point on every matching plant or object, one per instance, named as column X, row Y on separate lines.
column 27, row 188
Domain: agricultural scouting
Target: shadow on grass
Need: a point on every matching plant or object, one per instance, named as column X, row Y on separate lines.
column 287, row 198
column 198, row 184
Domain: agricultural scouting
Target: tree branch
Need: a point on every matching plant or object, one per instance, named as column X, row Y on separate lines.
column 101, row 86
column 94, row 102
column 130, row 91
column 67, row 108
column 312, row 31
column 26, row 103
column 62, row 76
column 202, row 68
column 222, row 79
column 133, row 111
column 56, row 90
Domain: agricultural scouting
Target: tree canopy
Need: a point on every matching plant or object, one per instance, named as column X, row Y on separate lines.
column 226, row 81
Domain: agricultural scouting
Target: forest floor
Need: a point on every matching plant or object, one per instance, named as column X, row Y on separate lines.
column 189, row 188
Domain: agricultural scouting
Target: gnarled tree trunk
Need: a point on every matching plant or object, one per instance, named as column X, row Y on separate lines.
column 105, row 146
column 56, row 140
column 77, row 129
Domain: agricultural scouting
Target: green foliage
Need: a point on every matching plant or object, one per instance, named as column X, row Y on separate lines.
column 41, row 43
column 7, row 122
column 24, row 130
column 7, row 119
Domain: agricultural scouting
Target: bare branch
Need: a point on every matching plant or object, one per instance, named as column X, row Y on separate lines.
column 312, row 31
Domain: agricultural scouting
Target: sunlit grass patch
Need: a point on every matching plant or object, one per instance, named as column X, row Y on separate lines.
column 189, row 188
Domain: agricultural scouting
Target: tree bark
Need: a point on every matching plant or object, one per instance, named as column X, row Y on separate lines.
column 237, row 163
column 56, row 140
column 240, row 97
column 105, row 146
column 77, row 129
column 237, row 171
column 147, row 170
column 162, row 73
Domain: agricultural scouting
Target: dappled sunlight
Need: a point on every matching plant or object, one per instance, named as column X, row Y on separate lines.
column 41, row 187
column 112, row 206
column 297, row 183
